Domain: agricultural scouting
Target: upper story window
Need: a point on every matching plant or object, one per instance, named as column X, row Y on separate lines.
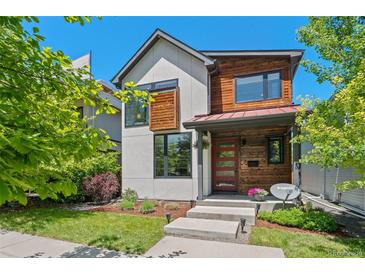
column 135, row 113
column 257, row 87
column 80, row 110
column 158, row 86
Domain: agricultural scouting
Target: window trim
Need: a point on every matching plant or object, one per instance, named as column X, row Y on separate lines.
column 165, row 156
column 281, row 138
column 153, row 84
column 265, row 85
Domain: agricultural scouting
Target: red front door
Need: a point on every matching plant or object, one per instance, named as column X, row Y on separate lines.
column 225, row 164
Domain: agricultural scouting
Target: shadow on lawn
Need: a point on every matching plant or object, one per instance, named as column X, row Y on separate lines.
column 32, row 220
column 90, row 252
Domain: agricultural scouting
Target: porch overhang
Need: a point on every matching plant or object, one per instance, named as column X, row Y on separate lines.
column 250, row 118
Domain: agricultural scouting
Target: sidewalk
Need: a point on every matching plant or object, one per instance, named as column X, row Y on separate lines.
column 18, row 245
column 175, row 247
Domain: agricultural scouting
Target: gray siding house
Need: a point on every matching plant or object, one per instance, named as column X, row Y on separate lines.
column 111, row 123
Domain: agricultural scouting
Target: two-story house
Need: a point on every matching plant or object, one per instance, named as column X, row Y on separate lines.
column 221, row 121
column 111, row 123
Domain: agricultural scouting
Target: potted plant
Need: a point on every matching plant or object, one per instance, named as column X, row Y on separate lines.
column 258, row 194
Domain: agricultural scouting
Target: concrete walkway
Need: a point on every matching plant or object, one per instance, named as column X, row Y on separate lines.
column 176, row 247
column 18, row 245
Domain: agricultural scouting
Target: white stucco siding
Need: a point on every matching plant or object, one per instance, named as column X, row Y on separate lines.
column 163, row 61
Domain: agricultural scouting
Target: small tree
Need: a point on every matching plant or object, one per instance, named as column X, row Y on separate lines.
column 40, row 127
column 336, row 127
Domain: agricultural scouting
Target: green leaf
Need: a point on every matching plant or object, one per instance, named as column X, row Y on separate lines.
column 5, row 194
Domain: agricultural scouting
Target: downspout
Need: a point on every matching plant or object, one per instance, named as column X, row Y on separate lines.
column 200, row 165
column 208, row 92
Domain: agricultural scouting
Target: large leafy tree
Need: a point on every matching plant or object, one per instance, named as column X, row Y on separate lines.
column 40, row 128
column 336, row 127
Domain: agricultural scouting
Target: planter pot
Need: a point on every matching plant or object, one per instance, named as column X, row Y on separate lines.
column 259, row 197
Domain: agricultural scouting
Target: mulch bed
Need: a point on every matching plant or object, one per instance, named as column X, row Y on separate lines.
column 160, row 210
column 262, row 223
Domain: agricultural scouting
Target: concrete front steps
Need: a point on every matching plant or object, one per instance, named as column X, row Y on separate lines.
column 233, row 214
column 226, row 203
column 218, row 230
column 215, row 221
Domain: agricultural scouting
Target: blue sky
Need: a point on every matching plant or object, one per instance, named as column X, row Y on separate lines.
column 113, row 40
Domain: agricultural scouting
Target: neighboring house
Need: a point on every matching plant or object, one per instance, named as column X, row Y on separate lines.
column 221, row 121
column 322, row 182
column 111, row 123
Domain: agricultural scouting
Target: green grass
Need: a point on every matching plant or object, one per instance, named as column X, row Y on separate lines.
column 303, row 245
column 131, row 234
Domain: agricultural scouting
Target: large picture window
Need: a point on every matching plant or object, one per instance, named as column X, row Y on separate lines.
column 172, row 155
column 275, row 150
column 258, row 87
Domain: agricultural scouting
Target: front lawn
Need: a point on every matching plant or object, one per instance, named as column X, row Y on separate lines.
column 305, row 245
column 131, row 234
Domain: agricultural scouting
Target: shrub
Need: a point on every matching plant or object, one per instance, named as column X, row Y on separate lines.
column 172, row 206
column 319, row 221
column 126, row 205
column 130, row 195
column 311, row 219
column 101, row 187
column 147, row 207
column 77, row 172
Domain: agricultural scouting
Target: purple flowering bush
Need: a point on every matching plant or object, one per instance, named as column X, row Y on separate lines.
column 257, row 191
column 101, row 187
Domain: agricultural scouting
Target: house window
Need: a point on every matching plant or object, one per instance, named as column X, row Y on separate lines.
column 80, row 110
column 258, row 87
column 275, row 150
column 138, row 115
column 172, row 155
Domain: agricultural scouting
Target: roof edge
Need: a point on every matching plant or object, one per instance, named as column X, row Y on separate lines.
column 152, row 39
column 192, row 124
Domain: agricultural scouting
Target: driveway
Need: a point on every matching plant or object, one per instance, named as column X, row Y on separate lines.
column 18, row 245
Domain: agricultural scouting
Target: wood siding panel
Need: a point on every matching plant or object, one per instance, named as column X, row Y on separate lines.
column 164, row 112
column 256, row 149
column 223, row 83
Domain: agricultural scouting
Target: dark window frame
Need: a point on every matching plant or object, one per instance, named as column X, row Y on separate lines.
column 152, row 89
column 281, row 139
column 80, row 110
column 265, row 86
column 141, row 125
column 166, row 176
